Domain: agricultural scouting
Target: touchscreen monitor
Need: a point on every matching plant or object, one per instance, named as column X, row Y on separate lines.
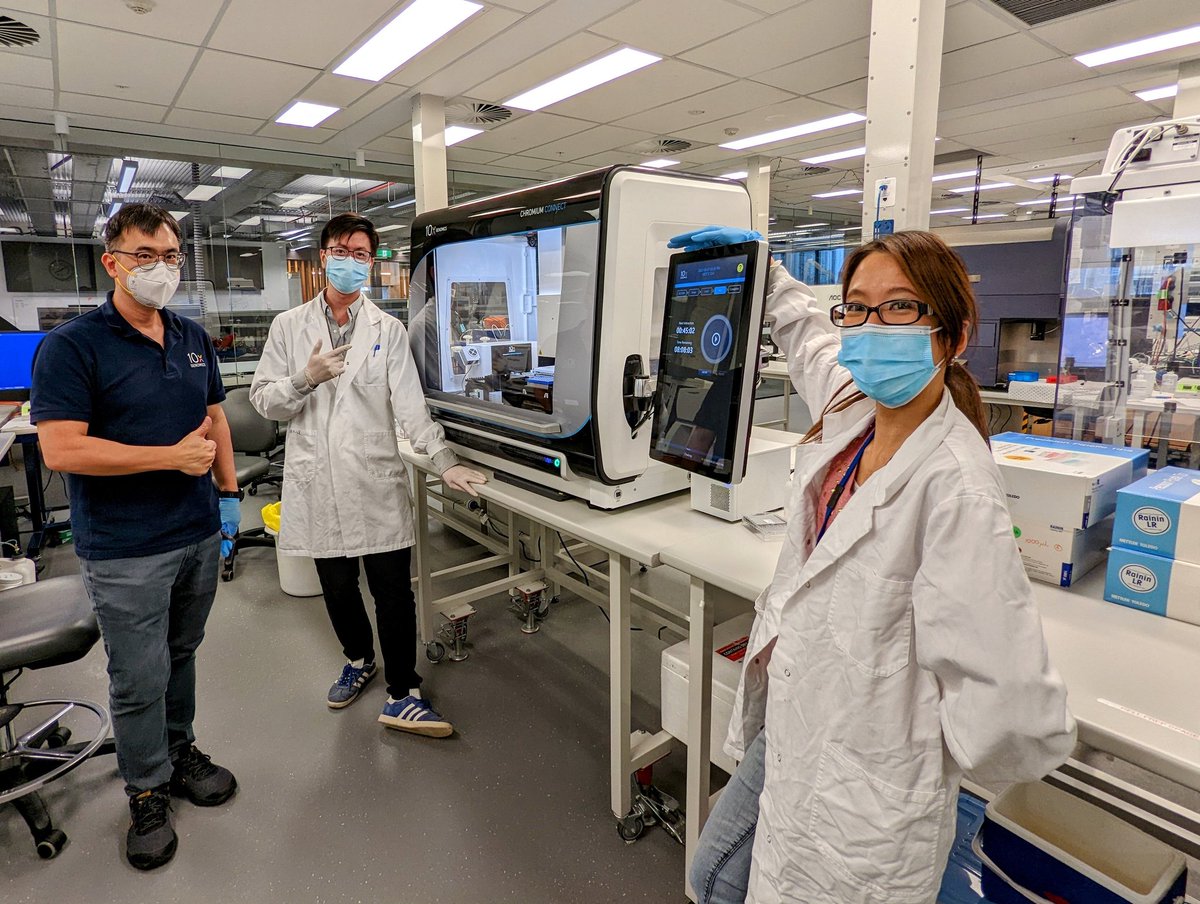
column 708, row 357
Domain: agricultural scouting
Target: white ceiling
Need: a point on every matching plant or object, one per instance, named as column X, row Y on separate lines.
column 220, row 71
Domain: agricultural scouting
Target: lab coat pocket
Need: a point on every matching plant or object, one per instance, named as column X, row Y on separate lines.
column 382, row 455
column 870, row 621
column 299, row 457
column 874, row 833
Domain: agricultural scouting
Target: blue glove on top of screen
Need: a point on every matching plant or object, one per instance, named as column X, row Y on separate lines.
column 713, row 237
column 231, row 520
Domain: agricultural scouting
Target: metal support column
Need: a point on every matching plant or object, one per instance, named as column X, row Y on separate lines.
column 621, row 758
column 429, row 152
column 904, row 77
column 1187, row 101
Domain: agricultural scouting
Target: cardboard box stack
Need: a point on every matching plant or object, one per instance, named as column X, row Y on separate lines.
column 1059, row 493
column 1154, row 563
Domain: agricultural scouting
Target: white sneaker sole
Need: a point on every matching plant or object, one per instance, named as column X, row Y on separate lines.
column 425, row 729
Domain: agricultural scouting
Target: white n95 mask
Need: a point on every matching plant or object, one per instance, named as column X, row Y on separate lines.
column 153, row 288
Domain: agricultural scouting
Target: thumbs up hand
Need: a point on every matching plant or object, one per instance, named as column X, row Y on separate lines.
column 194, row 453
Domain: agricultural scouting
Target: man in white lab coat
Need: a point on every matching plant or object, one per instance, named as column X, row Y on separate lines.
column 340, row 372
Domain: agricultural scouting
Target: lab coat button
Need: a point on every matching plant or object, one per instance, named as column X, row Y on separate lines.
column 787, row 673
column 808, row 585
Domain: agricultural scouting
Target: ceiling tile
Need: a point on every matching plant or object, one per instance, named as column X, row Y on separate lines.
column 110, row 106
column 336, row 91
column 319, row 36
column 713, row 105
column 770, row 6
column 33, row 98
column 390, row 145
column 459, row 155
column 186, row 22
column 215, row 122
column 660, row 83
column 969, row 23
column 1100, row 102
column 593, row 141
column 125, row 61
column 1001, row 55
column 659, row 28
column 296, row 133
column 778, row 40
column 32, row 72
column 382, row 93
column 525, row 6
column 820, row 70
column 527, row 131
column 477, row 30
column 41, row 7
column 760, row 120
column 263, row 87
column 1016, row 83
column 541, row 67
column 1117, row 24
column 850, row 96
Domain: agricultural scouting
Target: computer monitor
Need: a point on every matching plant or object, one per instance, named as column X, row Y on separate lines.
column 16, row 364
column 1085, row 338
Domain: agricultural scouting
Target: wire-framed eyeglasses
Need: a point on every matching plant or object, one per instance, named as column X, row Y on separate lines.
column 338, row 253
column 148, row 260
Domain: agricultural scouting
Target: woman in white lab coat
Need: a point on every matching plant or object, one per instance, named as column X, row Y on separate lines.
column 898, row 646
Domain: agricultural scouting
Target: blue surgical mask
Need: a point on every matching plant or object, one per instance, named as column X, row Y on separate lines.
column 890, row 364
column 347, row 275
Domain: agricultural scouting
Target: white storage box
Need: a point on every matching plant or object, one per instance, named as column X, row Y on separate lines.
column 1160, row 514
column 1059, row 555
column 729, row 642
column 1153, row 584
column 1063, row 482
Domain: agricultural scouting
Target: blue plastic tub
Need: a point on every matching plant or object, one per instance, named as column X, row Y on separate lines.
column 962, row 881
column 1039, row 843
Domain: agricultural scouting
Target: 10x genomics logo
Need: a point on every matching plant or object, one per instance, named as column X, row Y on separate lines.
column 196, row 359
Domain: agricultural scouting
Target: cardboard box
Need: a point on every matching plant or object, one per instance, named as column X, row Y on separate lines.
column 1058, row 555
column 1153, row 584
column 1062, row 482
column 1160, row 514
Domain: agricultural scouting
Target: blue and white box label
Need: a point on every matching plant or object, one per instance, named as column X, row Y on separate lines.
column 1153, row 584
column 1160, row 514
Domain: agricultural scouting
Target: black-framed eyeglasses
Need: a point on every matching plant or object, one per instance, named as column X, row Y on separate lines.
column 898, row 312
column 340, row 254
column 148, row 260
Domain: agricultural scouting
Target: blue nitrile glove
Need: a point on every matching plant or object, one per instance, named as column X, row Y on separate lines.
column 713, row 236
column 231, row 520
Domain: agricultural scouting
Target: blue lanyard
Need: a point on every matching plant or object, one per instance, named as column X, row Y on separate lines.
column 842, row 484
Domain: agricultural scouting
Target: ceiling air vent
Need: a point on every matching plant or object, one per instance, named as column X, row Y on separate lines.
column 16, row 34
column 814, row 170
column 471, row 114
column 658, row 147
column 1035, row 12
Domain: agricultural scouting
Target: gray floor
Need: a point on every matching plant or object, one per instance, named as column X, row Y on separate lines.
column 334, row 807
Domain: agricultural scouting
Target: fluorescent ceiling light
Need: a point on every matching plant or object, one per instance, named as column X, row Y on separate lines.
column 597, row 72
column 125, row 180
column 661, row 163
column 740, row 174
column 248, row 254
column 970, row 189
column 455, row 134
column 1059, row 200
column 951, row 210
column 303, row 113
column 179, row 214
column 203, row 192
column 836, row 155
column 112, row 210
column 402, row 203
column 1158, row 93
column 1040, row 179
column 946, row 177
column 808, row 128
column 988, row 216
column 253, row 221
column 851, row 229
column 1142, row 47
column 844, row 193
column 301, row 200
column 422, row 23
column 231, row 172
column 289, row 233
column 390, row 228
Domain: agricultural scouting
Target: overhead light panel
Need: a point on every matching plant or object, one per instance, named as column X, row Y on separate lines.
column 114, row 207
column 407, row 203
column 391, row 228
column 661, row 163
column 292, row 233
column 301, row 200
column 1041, row 179
column 946, row 177
column 951, row 210
column 851, row 229
column 598, row 72
column 421, row 24
column 1061, row 199
column 231, row 172
column 1158, row 93
column 203, row 192
column 987, row 216
column 303, row 113
column 253, row 221
column 808, row 128
column 739, row 175
column 456, row 134
column 836, row 155
column 179, row 214
column 843, row 193
column 248, row 254
column 1142, row 47
column 969, row 189
column 128, row 172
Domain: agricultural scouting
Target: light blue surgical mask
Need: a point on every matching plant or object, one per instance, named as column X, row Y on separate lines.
column 890, row 364
column 348, row 275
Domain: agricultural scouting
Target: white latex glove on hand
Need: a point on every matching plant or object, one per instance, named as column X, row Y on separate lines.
column 461, row 478
column 323, row 366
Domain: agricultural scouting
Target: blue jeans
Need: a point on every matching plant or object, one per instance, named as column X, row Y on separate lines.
column 152, row 611
column 720, row 872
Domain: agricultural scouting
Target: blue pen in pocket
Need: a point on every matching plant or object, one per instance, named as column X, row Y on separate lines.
column 376, row 350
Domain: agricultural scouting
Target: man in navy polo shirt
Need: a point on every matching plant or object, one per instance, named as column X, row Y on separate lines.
column 127, row 402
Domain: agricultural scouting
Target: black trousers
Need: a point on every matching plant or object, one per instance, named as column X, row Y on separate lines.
column 390, row 582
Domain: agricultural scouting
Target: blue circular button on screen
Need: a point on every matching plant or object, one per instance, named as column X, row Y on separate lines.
column 716, row 339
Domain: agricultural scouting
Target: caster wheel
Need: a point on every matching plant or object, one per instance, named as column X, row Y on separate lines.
column 253, row 491
column 630, row 828
column 435, row 652
column 58, row 738
column 543, row 608
column 51, row 844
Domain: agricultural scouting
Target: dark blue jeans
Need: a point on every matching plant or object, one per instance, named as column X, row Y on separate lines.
column 152, row 611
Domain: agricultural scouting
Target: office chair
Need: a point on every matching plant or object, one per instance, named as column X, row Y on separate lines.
column 43, row 625
column 254, row 440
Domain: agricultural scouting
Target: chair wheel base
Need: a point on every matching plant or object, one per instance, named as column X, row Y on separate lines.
column 51, row 844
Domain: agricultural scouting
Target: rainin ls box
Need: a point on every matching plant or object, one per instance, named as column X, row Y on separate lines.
column 1062, row 482
column 1153, row 584
column 1160, row 514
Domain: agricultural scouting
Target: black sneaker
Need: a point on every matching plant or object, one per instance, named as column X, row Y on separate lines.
column 201, row 780
column 151, row 839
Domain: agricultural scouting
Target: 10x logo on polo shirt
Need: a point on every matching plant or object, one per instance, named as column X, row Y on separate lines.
column 196, row 359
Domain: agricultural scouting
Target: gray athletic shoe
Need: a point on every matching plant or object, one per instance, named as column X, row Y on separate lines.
column 151, row 840
column 347, row 688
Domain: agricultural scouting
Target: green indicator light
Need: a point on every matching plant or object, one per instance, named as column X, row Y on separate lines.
column 557, row 462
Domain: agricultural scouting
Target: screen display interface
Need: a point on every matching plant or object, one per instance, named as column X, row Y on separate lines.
column 16, row 359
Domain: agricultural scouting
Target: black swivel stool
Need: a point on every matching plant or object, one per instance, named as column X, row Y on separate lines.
column 43, row 625
column 255, row 446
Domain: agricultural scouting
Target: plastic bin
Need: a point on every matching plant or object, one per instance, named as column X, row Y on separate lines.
column 297, row 574
column 1041, row 844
